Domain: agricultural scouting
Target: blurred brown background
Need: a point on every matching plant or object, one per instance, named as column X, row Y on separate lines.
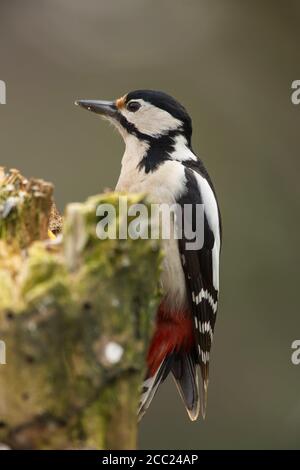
column 231, row 63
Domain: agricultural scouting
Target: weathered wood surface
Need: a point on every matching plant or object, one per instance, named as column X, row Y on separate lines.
column 76, row 316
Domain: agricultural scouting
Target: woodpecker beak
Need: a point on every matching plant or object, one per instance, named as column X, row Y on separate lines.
column 104, row 108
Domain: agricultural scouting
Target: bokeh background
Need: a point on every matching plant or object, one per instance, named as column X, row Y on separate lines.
column 232, row 64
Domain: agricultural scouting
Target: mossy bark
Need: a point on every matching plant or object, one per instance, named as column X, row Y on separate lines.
column 76, row 316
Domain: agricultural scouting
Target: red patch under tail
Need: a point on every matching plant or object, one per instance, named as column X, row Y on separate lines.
column 173, row 332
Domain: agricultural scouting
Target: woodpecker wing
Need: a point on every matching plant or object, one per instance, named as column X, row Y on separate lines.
column 201, row 265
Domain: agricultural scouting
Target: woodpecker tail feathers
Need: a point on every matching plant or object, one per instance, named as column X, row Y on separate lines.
column 186, row 376
column 151, row 384
column 185, row 372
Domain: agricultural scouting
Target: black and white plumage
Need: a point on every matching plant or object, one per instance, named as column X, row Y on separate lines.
column 159, row 160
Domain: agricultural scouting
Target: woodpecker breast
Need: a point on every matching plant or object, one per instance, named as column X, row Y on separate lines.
column 163, row 186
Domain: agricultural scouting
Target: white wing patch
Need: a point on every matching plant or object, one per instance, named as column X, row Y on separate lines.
column 212, row 214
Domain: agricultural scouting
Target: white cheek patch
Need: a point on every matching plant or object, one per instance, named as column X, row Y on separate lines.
column 151, row 120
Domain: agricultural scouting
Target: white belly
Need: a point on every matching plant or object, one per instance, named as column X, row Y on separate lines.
column 162, row 186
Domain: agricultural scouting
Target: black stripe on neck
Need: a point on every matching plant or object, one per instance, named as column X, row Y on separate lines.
column 131, row 129
column 160, row 150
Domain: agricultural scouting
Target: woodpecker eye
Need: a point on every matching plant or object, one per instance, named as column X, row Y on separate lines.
column 133, row 106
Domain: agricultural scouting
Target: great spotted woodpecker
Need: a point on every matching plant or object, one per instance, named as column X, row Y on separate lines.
column 159, row 160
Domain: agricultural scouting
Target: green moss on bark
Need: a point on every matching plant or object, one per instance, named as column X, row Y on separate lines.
column 62, row 306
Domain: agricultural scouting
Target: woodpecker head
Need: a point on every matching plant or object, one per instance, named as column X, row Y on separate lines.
column 148, row 115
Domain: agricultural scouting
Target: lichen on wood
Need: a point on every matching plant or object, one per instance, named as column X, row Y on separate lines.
column 76, row 316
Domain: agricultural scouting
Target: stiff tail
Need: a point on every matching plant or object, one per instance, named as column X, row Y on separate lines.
column 185, row 373
column 151, row 384
column 173, row 350
column 186, row 376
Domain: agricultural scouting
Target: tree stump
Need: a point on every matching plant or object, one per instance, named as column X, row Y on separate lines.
column 76, row 316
